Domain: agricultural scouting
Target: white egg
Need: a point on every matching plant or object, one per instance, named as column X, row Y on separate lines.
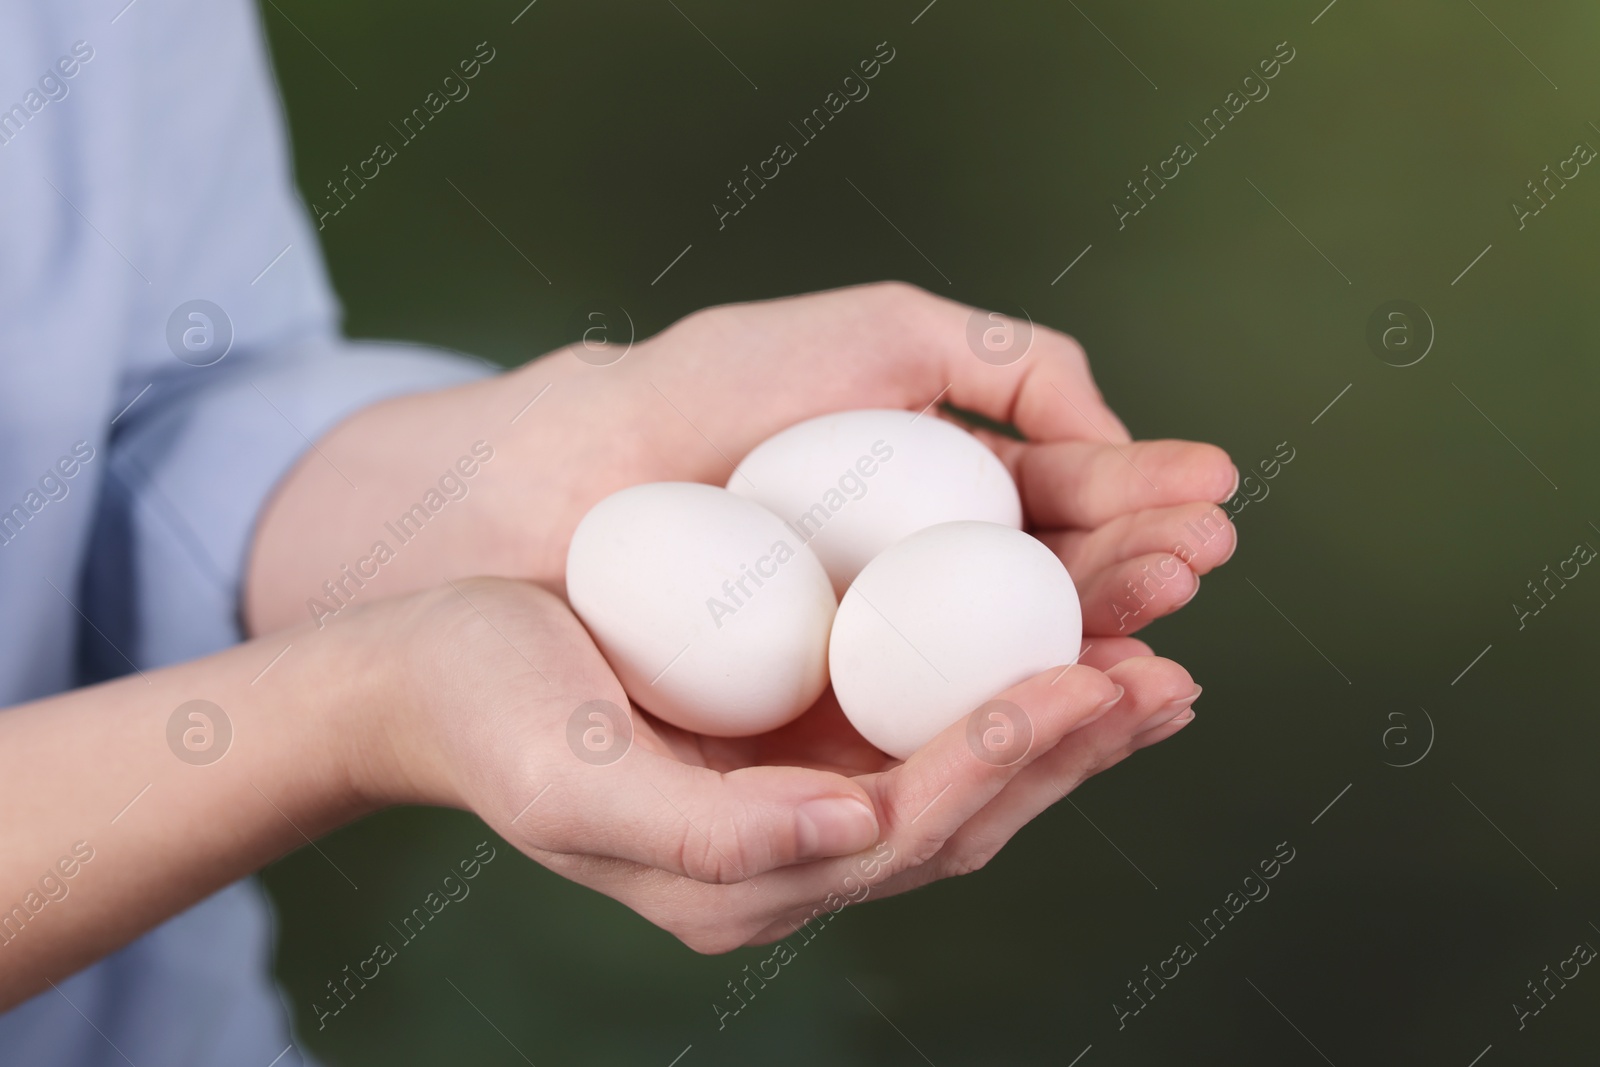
column 713, row 614
column 944, row 621
column 853, row 483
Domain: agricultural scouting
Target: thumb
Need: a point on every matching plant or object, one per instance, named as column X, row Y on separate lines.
column 1039, row 381
column 710, row 826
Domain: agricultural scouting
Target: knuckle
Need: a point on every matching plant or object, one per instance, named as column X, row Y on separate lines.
column 692, row 327
column 897, row 292
column 709, row 938
column 1071, row 349
column 1082, row 685
column 923, row 849
column 900, row 301
column 695, row 857
column 901, row 810
column 966, row 861
column 717, row 856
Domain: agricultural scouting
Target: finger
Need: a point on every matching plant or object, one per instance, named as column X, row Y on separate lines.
column 818, row 893
column 980, row 838
column 926, row 799
column 705, row 825
column 1144, row 740
column 1078, row 484
column 1162, row 732
column 1103, row 653
column 922, row 802
column 1198, row 533
column 1038, row 381
column 1149, row 686
column 1123, row 598
column 1156, row 693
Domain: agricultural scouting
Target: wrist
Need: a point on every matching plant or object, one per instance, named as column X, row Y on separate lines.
column 378, row 706
column 349, row 726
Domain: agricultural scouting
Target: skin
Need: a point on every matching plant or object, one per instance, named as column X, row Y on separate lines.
column 438, row 687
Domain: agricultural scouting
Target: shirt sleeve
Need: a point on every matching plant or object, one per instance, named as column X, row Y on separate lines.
column 191, row 464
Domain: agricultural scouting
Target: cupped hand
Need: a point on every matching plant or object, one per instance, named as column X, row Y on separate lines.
column 728, row 841
column 721, row 841
column 1136, row 523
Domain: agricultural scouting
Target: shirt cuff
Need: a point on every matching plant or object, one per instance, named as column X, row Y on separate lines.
column 188, row 475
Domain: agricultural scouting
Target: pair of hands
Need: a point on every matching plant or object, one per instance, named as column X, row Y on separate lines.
column 733, row 841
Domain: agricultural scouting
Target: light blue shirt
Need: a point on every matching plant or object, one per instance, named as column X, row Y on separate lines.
column 143, row 166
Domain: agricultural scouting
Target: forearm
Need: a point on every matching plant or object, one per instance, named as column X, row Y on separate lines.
column 116, row 821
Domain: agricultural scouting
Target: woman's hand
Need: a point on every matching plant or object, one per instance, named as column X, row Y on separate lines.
column 689, row 403
column 172, row 783
column 728, row 841
column 723, row 841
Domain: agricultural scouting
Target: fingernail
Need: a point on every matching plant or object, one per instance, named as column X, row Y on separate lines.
column 1194, row 594
column 1116, row 698
column 1185, row 718
column 1233, row 549
column 1170, row 711
column 1237, row 478
column 833, row 826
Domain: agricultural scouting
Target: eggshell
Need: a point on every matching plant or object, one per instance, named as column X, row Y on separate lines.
column 711, row 611
column 853, row 483
column 944, row 621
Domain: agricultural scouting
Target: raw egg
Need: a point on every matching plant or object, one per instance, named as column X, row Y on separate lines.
column 944, row 620
column 711, row 611
column 853, row 483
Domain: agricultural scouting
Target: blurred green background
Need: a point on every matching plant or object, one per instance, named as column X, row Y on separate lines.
column 1397, row 540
